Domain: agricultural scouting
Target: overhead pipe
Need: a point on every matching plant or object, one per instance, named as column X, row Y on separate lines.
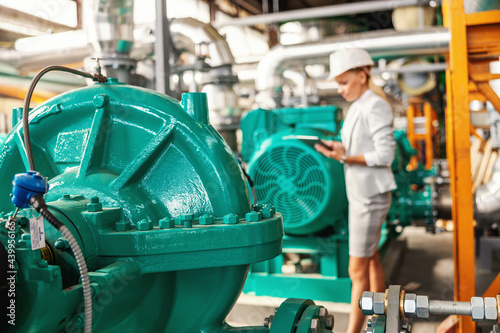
column 162, row 49
column 324, row 11
column 109, row 25
column 186, row 34
column 384, row 43
column 201, row 39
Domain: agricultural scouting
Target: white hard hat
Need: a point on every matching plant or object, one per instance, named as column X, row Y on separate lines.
column 345, row 59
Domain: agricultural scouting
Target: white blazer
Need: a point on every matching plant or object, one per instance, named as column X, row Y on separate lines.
column 368, row 131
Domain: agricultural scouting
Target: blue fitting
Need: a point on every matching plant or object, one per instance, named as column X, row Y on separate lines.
column 26, row 185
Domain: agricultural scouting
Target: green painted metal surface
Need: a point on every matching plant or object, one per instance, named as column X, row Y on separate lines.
column 297, row 315
column 376, row 324
column 294, row 177
column 158, row 204
column 412, row 200
column 288, row 172
column 259, row 124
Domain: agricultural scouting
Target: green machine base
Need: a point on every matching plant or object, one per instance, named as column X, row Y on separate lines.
column 330, row 283
column 314, row 286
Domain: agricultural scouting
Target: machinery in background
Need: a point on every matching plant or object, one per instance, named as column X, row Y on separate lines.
column 206, row 52
column 157, row 203
column 109, row 26
column 309, row 190
column 394, row 309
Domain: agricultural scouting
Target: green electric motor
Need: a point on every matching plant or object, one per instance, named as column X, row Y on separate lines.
column 309, row 190
column 289, row 173
column 157, row 203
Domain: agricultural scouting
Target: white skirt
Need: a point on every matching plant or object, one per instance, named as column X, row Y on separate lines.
column 366, row 216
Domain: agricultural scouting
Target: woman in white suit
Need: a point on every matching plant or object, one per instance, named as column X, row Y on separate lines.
column 367, row 151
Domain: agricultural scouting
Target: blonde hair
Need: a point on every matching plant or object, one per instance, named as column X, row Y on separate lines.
column 377, row 90
column 371, row 85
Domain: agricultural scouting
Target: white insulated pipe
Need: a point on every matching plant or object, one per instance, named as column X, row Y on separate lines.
column 385, row 43
column 324, row 11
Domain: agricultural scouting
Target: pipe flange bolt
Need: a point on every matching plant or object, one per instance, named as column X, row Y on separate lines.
column 379, row 303
column 268, row 321
column 144, row 225
column 95, row 205
column 268, row 211
column 253, row 216
column 366, row 303
column 477, row 304
column 166, row 223
column 206, row 219
column 315, row 326
column 490, row 308
column 326, row 318
column 257, row 207
column 231, row 219
column 61, row 244
column 410, row 305
column 122, row 225
column 187, row 220
column 422, row 306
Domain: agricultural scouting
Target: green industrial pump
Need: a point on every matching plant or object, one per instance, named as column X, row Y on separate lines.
column 309, row 190
column 158, row 205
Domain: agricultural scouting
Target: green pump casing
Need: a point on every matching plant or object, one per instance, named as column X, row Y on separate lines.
column 155, row 199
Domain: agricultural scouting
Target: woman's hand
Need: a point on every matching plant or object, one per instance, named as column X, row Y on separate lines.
column 335, row 149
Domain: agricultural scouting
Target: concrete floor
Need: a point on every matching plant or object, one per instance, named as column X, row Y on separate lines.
column 426, row 268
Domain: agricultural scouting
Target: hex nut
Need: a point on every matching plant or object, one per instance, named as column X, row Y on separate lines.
column 144, row 225
column 185, row 217
column 366, row 303
column 477, row 304
column 323, row 312
column 94, row 205
column 253, row 216
column 379, row 303
column 330, row 321
column 422, row 306
column 490, row 308
column 315, row 326
column 268, row 321
column 231, row 219
column 410, row 305
column 206, row 219
column 326, row 318
column 257, row 207
column 166, row 223
column 271, row 208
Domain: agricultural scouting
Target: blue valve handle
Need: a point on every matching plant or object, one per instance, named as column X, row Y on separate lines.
column 26, row 185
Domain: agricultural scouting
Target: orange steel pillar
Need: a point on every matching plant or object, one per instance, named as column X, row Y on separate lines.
column 458, row 151
column 429, row 150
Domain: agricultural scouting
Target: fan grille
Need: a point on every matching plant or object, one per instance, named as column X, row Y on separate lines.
column 292, row 180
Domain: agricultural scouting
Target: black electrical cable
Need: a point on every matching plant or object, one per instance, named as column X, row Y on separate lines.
column 37, row 200
column 27, row 143
column 40, row 206
column 249, row 179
